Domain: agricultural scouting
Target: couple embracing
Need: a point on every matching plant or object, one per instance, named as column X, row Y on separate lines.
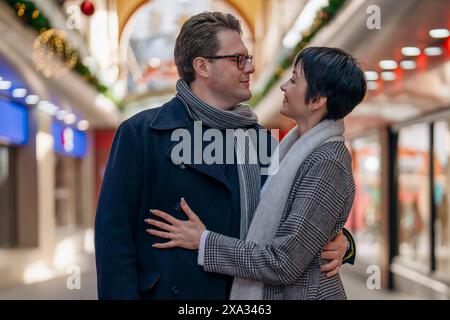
column 170, row 229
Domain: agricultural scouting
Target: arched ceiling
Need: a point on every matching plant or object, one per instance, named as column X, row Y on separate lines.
column 249, row 10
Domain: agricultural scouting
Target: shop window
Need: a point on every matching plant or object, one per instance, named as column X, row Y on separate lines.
column 66, row 187
column 414, row 194
column 365, row 218
column 441, row 196
column 8, row 225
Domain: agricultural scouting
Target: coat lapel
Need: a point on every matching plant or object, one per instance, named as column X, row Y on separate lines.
column 173, row 115
column 212, row 170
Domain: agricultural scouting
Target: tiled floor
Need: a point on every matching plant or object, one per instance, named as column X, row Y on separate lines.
column 56, row 288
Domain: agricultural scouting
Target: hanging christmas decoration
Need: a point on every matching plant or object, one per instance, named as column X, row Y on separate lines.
column 52, row 53
column 87, row 7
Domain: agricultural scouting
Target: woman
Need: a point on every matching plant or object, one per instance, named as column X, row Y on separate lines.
column 303, row 205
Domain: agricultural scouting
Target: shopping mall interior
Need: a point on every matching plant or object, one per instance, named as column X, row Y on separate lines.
column 71, row 71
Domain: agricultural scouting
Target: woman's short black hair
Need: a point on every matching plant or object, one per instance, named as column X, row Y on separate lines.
column 334, row 74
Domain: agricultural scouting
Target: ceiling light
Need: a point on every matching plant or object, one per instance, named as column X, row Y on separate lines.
column 61, row 114
column 70, row 118
column 19, row 93
column 408, row 65
column 83, row 125
column 433, row 51
column 410, row 51
column 52, row 109
column 388, row 76
column 42, row 106
column 388, row 64
column 371, row 75
column 32, row 99
column 5, row 85
column 372, row 85
column 439, row 33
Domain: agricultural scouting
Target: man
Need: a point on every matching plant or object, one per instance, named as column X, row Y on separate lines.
column 215, row 68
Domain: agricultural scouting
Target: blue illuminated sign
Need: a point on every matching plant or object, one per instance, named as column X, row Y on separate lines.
column 69, row 141
column 13, row 123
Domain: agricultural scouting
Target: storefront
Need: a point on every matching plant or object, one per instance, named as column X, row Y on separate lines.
column 423, row 151
column 14, row 131
column 401, row 214
column 365, row 218
column 70, row 146
column 13, row 135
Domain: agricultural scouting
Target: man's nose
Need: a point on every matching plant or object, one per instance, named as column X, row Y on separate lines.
column 249, row 67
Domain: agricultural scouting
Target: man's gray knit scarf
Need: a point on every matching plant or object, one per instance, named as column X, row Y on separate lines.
column 292, row 151
column 240, row 117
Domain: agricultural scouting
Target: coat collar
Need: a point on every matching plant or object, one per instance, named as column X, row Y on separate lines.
column 172, row 115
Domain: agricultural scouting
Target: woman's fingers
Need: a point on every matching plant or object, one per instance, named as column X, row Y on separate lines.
column 165, row 216
column 332, row 268
column 166, row 235
column 333, row 273
column 330, row 255
column 191, row 215
column 161, row 225
column 161, row 234
column 166, row 245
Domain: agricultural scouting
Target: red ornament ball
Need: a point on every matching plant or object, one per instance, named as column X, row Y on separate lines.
column 87, row 7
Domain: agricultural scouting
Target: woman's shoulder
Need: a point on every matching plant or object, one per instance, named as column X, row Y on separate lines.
column 333, row 152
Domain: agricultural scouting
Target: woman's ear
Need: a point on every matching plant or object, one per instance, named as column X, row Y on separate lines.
column 318, row 103
column 201, row 67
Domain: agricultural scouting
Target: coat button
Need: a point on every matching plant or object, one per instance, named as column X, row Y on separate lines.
column 182, row 166
column 175, row 291
column 178, row 206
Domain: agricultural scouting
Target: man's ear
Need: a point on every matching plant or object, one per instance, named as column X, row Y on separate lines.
column 201, row 67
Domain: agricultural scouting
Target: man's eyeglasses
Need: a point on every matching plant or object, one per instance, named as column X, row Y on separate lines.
column 241, row 59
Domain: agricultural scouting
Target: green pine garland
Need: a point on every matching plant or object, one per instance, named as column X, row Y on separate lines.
column 32, row 17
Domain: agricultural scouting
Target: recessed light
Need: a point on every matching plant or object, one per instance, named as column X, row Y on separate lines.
column 371, row 75
column 19, row 93
column 32, row 99
column 372, row 85
column 52, row 109
column 5, row 85
column 388, row 64
column 408, row 65
column 83, row 125
column 70, row 118
column 61, row 114
column 42, row 105
column 439, row 33
column 410, row 51
column 388, row 76
column 433, row 51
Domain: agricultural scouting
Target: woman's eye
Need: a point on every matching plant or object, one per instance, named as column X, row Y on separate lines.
column 292, row 80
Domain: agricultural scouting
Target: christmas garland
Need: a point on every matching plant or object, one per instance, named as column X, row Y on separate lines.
column 33, row 17
column 322, row 18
